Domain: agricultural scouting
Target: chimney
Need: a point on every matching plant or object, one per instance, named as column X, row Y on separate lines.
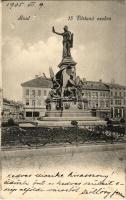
column 84, row 80
column 44, row 76
column 112, row 80
column 36, row 76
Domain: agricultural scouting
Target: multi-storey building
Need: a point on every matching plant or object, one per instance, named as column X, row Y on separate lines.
column 35, row 92
column 105, row 100
column 1, row 97
column 98, row 96
column 1, row 100
column 11, row 109
column 117, row 100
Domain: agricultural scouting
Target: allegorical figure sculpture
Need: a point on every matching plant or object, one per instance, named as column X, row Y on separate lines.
column 67, row 41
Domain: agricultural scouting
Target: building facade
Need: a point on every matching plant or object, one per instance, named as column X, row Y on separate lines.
column 11, row 109
column 105, row 100
column 117, row 101
column 35, row 92
column 98, row 96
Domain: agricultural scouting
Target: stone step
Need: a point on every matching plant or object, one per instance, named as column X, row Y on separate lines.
column 70, row 118
column 68, row 123
column 68, row 113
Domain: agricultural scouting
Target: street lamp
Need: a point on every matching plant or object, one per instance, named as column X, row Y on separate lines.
column 75, row 124
column 34, row 108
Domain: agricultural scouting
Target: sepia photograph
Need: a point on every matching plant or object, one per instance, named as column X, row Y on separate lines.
column 63, row 100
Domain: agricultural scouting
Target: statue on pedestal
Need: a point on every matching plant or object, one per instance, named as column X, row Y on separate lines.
column 66, row 102
column 67, row 41
column 66, row 86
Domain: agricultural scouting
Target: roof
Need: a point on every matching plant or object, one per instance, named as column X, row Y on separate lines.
column 43, row 82
column 38, row 82
column 92, row 85
column 116, row 86
column 11, row 102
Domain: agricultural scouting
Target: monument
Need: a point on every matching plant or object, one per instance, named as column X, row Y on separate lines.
column 65, row 101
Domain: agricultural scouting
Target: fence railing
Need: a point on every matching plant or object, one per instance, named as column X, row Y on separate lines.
column 40, row 136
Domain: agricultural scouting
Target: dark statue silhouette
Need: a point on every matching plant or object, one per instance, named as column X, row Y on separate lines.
column 67, row 41
column 64, row 82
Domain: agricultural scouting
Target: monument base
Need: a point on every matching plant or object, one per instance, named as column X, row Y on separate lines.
column 63, row 117
column 66, row 122
column 68, row 61
column 68, row 113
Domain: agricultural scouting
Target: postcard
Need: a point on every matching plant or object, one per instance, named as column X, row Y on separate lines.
column 63, row 100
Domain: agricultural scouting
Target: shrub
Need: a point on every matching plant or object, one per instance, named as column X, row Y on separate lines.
column 122, row 120
column 80, row 106
column 109, row 122
column 74, row 123
column 11, row 122
column 107, row 119
column 4, row 124
column 67, row 106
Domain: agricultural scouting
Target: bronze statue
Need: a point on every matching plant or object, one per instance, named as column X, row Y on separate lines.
column 67, row 41
column 64, row 83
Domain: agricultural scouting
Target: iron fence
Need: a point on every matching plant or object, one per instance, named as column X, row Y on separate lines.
column 37, row 136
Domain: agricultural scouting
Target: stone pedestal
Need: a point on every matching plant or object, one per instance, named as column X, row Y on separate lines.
column 67, row 65
column 69, row 110
column 67, row 61
column 65, row 101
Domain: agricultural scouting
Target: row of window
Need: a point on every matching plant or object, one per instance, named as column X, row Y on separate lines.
column 35, row 92
column 118, row 102
column 32, row 114
column 95, row 94
column 34, row 102
column 117, row 113
column 102, row 104
column 91, row 103
column 39, row 93
column 121, row 94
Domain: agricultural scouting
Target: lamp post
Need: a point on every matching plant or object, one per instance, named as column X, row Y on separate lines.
column 75, row 124
column 34, row 108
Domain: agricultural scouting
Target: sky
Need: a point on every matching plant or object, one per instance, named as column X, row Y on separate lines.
column 29, row 47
